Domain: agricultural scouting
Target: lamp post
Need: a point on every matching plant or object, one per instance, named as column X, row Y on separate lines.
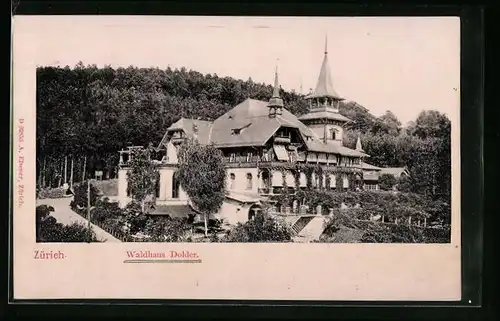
column 88, row 210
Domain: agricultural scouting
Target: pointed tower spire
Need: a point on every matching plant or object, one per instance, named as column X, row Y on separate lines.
column 324, row 86
column 275, row 104
column 359, row 148
column 326, row 44
column 276, row 90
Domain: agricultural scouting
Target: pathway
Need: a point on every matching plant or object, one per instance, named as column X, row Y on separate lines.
column 65, row 215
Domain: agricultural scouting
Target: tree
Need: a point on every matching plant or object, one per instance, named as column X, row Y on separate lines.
column 202, row 175
column 431, row 123
column 42, row 212
column 143, row 177
column 386, row 182
column 391, row 123
column 80, row 198
column 263, row 228
column 404, row 184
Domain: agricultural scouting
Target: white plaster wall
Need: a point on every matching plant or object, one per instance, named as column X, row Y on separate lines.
column 233, row 212
column 166, row 180
column 240, row 181
column 123, row 200
column 319, row 130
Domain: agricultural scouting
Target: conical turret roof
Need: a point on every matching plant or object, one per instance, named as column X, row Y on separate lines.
column 324, row 86
column 275, row 100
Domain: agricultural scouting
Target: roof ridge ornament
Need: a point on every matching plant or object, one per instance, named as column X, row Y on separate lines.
column 324, row 86
column 275, row 104
column 326, row 43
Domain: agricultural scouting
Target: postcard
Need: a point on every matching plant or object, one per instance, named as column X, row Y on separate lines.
column 242, row 158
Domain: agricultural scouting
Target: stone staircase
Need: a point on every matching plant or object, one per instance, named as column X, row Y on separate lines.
column 299, row 224
column 313, row 229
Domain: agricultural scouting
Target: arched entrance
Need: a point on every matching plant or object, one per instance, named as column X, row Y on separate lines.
column 265, row 183
column 253, row 210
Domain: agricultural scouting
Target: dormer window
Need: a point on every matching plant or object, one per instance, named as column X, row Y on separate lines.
column 177, row 134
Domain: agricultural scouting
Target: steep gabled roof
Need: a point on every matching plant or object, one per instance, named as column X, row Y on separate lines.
column 187, row 125
column 261, row 128
column 251, row 117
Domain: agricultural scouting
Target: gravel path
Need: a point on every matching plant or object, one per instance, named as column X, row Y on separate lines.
column 65, row 215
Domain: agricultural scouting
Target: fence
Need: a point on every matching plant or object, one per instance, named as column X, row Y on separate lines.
column 113, row 230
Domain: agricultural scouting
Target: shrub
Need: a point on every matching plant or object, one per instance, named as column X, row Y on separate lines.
column 404, row 184
column 263, row 228
column 77, row 232
column 105, row 210
column 166, row 229
column 80, row 198
column 107, row 187
column 48, row 192
column 134, row 217
column 53, row 232
column 386, row 182
column 376, row 232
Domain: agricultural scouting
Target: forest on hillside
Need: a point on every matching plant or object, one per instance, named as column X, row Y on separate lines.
column 85, row 115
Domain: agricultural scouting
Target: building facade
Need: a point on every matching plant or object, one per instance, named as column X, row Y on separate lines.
column 267, row 149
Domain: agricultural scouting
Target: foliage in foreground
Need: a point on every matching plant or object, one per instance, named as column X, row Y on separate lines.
column 48, row 230
column 262, row 228
column 166, row 229
column 343, row 223
column 391, row 205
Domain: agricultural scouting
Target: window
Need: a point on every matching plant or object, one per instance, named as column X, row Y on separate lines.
column 333, row 181
column 236, row 131
column 232, row 178
column 157, row 188
column 232, row 158
column 333, row 134
column 346, row 182
column 176, row 186
column 249, row 157
column 129, row 193
column 249, row 181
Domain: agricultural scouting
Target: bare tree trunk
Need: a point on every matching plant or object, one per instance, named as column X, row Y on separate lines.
column 44, row 174
column 39, row 180
column 71, row 175
column 84, row 168
column 60, row 175
column 65, row 169
column 206, row 223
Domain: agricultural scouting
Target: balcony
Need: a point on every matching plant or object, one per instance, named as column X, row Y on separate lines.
column 282, row 139
column 370, row 176
column 177, row 140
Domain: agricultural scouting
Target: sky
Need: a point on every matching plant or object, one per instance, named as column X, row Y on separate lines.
column 400, row 64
